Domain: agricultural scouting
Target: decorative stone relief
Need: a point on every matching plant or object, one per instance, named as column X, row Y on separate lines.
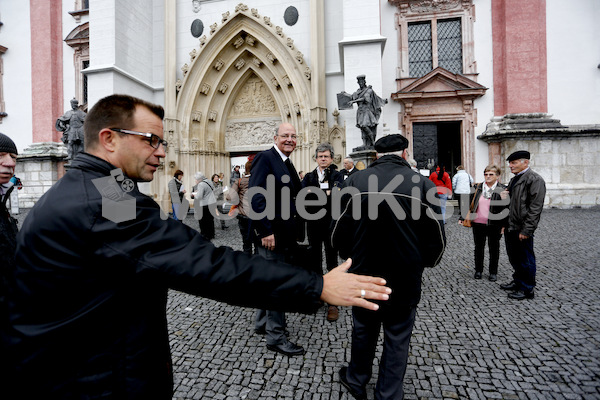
column 250, row 40
column 185, row 69
column 219, row 64
column 213, row 28
column 239, row 41
column 256, row 62
column 241, row 7
column 286, row 110
column 255, row 13
column 279, row 30
column 210, row 145
column 223, row 87
column 205, row 89
column 300, row 57
column 255, row 99
column 275, row 82
column 240, row 63
column 420, row 6
column 196, row 116
column 250, row 134
column 225, row 17
column 195, row 145
column 196, row 5
column 297, row 108
column 290, row 43
column 268, row 21
column 178, row 85
column 271, row 57
column 202, row 40
column 212, row 115
column 193, row 55
column 307, row 73
column 286, row 80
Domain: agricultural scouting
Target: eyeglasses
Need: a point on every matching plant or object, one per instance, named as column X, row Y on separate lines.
column 293, row 137
column 153, row 140
column 490, row 174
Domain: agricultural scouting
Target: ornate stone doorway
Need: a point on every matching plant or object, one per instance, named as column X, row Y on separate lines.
column 437, row 143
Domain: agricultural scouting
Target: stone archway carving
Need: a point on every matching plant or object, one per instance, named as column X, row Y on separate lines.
column 244, row 48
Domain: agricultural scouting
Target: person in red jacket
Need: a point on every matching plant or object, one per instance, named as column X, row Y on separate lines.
column 442, row 181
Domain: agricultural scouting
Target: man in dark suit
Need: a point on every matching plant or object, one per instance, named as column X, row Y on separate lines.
column 324, row 178
column 398, row 233
column 275, row 233
column 348, row 167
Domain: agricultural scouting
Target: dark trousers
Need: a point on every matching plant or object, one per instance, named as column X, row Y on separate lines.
column 207, row 223
column 397, row 324
column 491, row 233
column 272, row 321
column 244, row 225
column 522, row 258
column 319, row 236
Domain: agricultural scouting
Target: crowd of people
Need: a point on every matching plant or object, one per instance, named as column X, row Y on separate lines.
column 71, row 272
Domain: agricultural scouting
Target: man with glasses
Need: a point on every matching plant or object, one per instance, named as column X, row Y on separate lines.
column 325, row 178
column 88, row 305
column 275, row 236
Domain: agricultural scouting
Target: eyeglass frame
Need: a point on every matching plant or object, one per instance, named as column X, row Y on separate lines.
column 293, row 137
column 147, row 135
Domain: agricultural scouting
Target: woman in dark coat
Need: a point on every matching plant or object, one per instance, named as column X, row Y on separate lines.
column 488, row 212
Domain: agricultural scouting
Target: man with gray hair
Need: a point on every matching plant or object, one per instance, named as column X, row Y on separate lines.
column 324, row 178
column 348, row 167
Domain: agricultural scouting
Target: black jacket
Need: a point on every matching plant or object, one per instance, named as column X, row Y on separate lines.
column 334, row 181
column 403, row 238
column 526, row 203
column 90, row 297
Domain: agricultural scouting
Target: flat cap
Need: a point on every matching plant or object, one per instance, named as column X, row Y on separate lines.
column 390, row 143
column 517, row 155
column 7, row 145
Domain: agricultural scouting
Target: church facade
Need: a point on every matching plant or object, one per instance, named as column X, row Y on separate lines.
column 466, row 81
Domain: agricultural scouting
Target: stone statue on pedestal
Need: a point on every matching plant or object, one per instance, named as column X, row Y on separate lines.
column 71, row 124
column 368, row 112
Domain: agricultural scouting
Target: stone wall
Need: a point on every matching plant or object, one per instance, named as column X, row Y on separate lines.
column 570, row 167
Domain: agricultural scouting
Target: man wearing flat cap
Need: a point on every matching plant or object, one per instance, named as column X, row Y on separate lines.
column 399, row 232
column 526, row 190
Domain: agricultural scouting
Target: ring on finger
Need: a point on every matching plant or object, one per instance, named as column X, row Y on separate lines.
column 362, row 293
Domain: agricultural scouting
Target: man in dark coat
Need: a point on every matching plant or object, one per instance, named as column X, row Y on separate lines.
column 398, row 233
column 95, row 259
column 325, row 178
column 275, row 232
column 526, row 190
column 349, row 168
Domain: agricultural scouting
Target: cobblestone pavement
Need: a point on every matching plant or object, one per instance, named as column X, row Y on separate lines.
column 469, row 342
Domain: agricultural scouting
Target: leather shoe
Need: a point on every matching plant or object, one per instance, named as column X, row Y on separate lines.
column 493, row 278
column 509, row 286
column 521, row 295
column 477, row 275
column 343, row 381
column 287, row 348
column 332, row 313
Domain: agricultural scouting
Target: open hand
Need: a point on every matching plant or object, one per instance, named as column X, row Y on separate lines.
column 343, row 289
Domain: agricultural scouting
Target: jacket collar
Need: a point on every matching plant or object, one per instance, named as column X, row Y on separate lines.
column 390, row 159
column 90, row 162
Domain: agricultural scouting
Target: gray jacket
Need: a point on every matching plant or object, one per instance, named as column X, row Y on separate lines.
column 526, row 203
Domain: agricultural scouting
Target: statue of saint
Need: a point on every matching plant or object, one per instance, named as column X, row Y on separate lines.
column 368, row 113
column 71, row 124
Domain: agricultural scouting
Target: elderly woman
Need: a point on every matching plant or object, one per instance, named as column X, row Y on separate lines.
column 204, row 200
column 488, row 213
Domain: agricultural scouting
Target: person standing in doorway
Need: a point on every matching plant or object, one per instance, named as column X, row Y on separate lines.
column 461, row 185
column 442, row 181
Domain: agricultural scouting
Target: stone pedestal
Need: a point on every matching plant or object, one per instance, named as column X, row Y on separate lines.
column 364, row 158
column 39, row 167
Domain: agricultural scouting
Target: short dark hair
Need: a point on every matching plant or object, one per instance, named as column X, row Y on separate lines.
column 177, row 173
column 114, row 111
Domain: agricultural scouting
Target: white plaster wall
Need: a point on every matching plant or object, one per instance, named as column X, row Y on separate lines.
column 334, row 33
column 212, row 12
column 389, row 121
column 483, row 48
column 68, row 24
column 573, row 51
column 134, row 34
column 15, row 35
